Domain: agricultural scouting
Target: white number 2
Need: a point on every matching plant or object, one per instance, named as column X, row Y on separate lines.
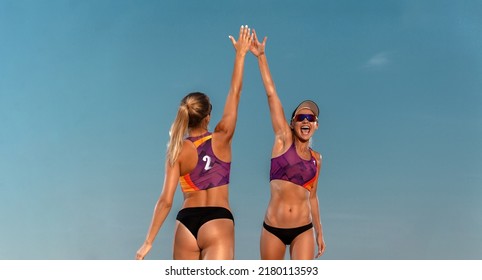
column 207, row 159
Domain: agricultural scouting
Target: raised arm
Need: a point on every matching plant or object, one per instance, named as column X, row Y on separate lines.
column 226, row 126
column 280, row 125
column 162, row 208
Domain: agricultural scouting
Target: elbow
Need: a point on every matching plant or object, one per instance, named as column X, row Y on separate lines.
column 271, row 93
column 270, row 89
column 236, row 90
column 164, row 204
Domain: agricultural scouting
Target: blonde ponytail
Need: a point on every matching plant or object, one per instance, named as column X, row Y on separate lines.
column 176, row 134
column 193, row 109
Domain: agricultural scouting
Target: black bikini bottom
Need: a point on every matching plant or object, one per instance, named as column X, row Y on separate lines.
column 287, row 235
column 194, row 217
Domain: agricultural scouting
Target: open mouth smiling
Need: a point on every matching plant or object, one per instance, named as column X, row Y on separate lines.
column 305, row 129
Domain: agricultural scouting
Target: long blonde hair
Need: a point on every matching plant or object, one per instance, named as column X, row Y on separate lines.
column 193, row 109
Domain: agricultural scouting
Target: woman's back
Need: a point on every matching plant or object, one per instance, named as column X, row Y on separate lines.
column 204, row 176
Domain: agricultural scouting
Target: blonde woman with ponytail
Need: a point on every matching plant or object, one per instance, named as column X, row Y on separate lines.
column 201, row 163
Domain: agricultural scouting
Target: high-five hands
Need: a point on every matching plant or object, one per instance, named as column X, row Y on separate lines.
column 256, row 47
column 245, row 40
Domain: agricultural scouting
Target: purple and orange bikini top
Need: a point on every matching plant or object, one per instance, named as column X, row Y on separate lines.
column 291, row 167
column 210, row 171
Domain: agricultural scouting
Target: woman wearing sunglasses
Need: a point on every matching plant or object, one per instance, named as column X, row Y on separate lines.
column 201, row 164
column 292, row 217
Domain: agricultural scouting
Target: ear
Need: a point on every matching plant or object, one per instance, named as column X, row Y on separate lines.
column 207, row 119
column 291, row 125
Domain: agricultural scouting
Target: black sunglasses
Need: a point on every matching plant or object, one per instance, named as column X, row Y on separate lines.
column 301, row 117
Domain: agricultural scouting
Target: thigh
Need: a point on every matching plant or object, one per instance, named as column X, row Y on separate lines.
column 185, row 245
column 303, row 246
column 216, row 240
column 271, row 247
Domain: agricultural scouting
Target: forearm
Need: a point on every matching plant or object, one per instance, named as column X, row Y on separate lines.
column 161, row 211
column 266, row 76
column 315, row 216
column 237, row 77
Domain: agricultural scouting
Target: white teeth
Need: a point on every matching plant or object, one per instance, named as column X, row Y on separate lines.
column 305, row 129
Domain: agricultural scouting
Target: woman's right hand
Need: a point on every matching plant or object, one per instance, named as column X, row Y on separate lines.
column 244, row 41
column 256, row 47
column 142, row 252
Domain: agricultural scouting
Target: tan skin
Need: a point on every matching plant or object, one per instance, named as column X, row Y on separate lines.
column 215, row 238
column 290, row 205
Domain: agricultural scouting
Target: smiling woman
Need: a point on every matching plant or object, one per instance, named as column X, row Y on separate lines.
column 89, row 89
column 292, row 217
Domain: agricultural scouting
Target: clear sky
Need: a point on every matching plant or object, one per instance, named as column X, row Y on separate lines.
column 88, row 90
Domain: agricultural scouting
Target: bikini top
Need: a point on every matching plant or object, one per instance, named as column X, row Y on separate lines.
column 210, row 171
column 291, row 167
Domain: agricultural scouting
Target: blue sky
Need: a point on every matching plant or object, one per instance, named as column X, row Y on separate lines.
column 88, row 90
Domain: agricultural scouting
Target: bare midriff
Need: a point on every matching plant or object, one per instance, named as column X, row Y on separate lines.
column 289, row 206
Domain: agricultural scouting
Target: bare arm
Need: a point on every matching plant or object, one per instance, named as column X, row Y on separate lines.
column 162, row 208
column 226, row 126
column 280, row 125
column 315, row 213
